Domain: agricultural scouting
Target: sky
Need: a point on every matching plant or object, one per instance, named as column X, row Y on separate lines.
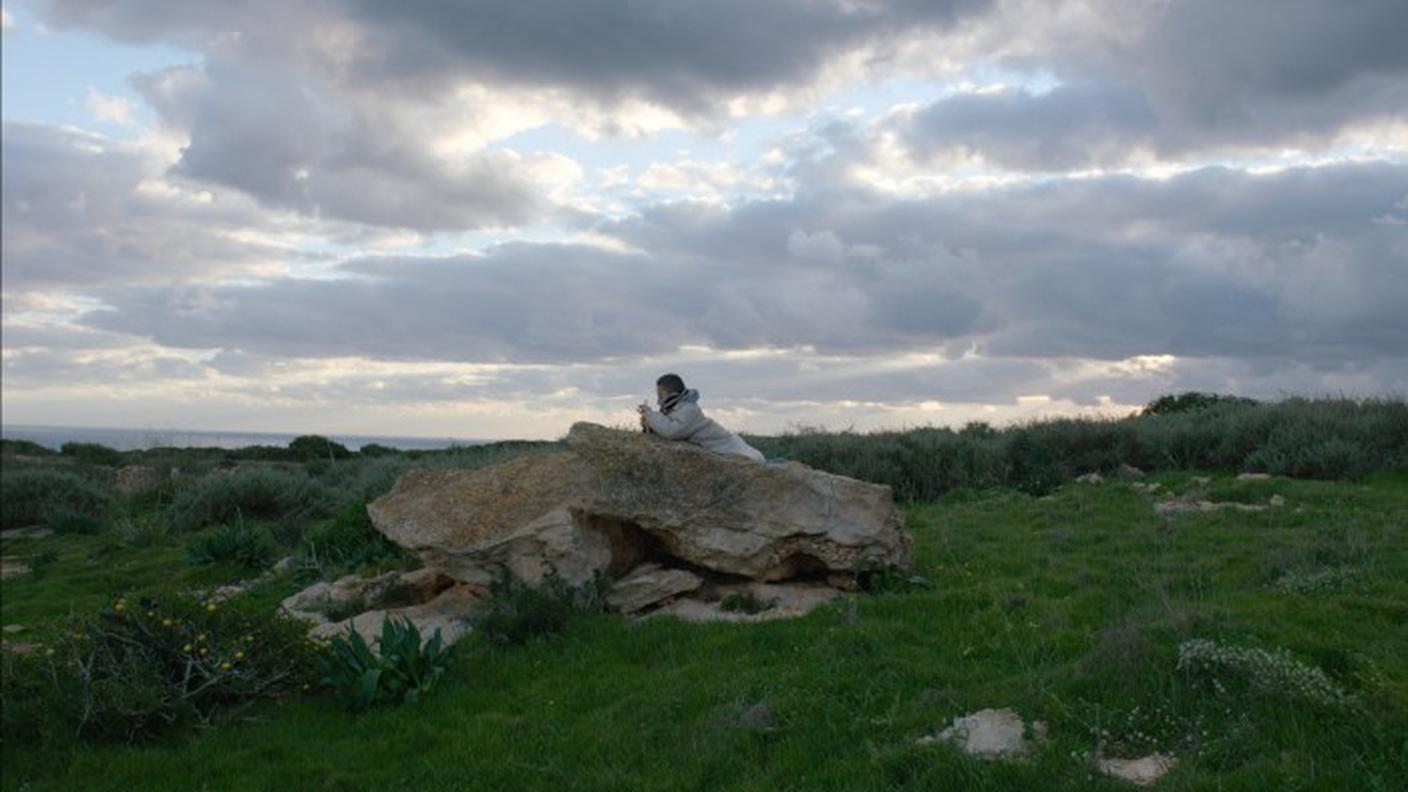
column 486, row 219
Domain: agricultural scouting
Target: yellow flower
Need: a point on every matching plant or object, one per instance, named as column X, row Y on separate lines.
column 249, row 639
column 239, row 655
column 305, row 684
column 204, row 651
column 186, row 648
column 165, row 622
column 225, row 666
column 210, row 608
column 119, row 607
column 150, row 614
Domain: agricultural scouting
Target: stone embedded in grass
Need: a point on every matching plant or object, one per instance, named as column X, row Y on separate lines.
column 1146, row 489
column 9, row 568
column 1091, row 478
column 991, row 734
column 785, row 601
column 1253, row 476
column 1174, row 507
column 757, row 717
column 1144, row 771
column 1202, row 481
column 1127, row 471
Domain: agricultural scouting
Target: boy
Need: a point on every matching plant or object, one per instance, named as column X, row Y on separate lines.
column 680, row 418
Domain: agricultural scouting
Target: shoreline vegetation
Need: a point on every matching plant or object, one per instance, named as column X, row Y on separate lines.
column 1082, row 572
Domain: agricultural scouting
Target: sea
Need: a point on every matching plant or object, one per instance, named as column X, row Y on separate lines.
column 137, row 439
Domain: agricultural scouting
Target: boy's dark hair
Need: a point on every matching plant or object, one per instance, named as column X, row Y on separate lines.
column 671, row 383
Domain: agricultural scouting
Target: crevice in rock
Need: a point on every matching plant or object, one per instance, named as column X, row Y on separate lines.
column 631, row 545
column 804, row 567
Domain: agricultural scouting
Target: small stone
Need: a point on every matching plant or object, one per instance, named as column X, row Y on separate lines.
column 991, row 734
column 10, row 568
column 1277, row 501
column 1254, row 477
column 1202, row 481
column 1091, row 478
column 11, row 629
column 1141, row 772
column 1129, row 471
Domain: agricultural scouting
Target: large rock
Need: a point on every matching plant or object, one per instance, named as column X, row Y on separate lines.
column 617, row 499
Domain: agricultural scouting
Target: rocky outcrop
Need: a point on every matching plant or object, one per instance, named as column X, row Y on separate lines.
column 617, row 499
column 662, row 526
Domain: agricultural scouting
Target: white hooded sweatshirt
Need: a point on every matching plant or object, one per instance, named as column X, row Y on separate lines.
column 687, row 422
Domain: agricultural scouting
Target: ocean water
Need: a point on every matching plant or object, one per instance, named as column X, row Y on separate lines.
column 137, row 439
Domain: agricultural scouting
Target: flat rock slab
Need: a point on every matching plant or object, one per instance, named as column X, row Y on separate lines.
column 649, row 584
column 450, row 612
column 781, row 601
column 1144, row 771
column 991, row 734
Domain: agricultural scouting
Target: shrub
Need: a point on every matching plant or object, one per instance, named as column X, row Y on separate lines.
column 147, row 664
column 36, row 495
column 250, row 546
column 1192, row 401
column 25, row 447
column 371, row 450
column 517, row 612
column 92, row 453
column 142, row 531
column 311, row 447
column 42, row 562
column 404, row 671
column 259, row 493
column 1267, row 672
column 69, row 521
column 348, row 541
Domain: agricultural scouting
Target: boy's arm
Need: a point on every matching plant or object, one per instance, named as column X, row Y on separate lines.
column 676, row 426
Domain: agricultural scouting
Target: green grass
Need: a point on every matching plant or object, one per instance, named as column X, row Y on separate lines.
column 1069, row 609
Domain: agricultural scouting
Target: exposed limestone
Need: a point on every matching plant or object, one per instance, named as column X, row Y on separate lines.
column 991, row 734
column 649, row 584
column 782, row 601
column 667, row 528
column 1144, row 771
column 451, row 612
column 10, row 567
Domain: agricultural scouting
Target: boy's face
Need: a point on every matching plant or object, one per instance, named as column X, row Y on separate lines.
column 661, row 394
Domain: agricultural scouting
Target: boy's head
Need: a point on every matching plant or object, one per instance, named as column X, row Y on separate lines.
column 668, row 385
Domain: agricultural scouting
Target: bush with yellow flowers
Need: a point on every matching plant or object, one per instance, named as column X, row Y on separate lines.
column 147, row 663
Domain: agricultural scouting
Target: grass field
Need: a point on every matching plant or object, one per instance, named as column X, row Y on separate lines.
column 1069, row 608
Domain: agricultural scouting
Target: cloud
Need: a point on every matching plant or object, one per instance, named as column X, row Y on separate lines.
column 113, row 109
column 81, row 210
column 7, row 20
column 1210, row 264
column 294, row 142
column 673, row 54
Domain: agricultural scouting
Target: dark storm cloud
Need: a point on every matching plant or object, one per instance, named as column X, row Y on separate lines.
column 678, row 53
